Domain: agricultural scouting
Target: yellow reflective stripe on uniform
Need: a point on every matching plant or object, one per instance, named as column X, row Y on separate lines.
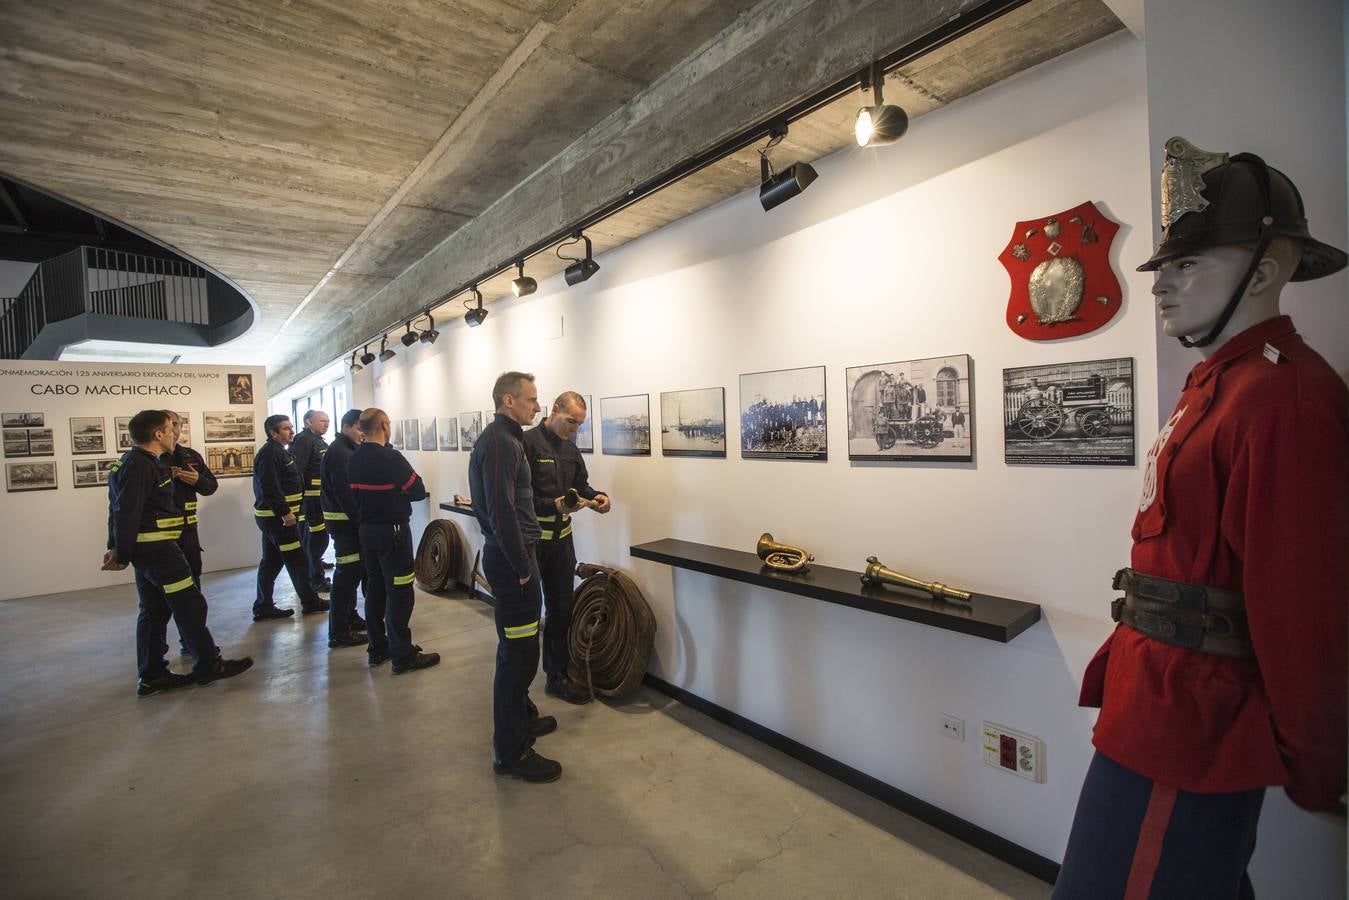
column 399, row 580
column 293, row 545
column 146, row 537
column 349, row 558
column 522, row 631
column 566, row 531
column 315, row 481
column 263, row 512
column 190, row 505
column 547, row 518
column 331, row 516
column 165, row 481
column 319, row 527
column 178, row 586
column 295, row 498
column 170, row 522
column 313, row 493
column 192, row 520
column 551, row 535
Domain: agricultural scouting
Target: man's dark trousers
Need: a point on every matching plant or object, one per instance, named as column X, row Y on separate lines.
column 314, row 537
column 167, row 589
column 1134, row 837
column 387, row 553
column 349, row 574
column 517, row 623
column 190, row 544
column 557, row 569
column 281, row 549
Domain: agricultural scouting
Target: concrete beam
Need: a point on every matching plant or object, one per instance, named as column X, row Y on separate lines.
column 777, row 53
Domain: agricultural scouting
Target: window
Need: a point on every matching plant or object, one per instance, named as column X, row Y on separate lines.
column 948, row 387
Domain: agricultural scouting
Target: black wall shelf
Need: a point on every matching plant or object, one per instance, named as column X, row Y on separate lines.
column 462, row 510
column 985, row 616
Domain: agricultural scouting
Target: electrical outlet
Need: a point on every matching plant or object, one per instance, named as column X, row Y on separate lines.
column 1012, row 751
column 953, row 727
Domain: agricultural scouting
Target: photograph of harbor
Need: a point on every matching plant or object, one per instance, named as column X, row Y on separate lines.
column 585, row 435
column 625, row 425
column 693, row 423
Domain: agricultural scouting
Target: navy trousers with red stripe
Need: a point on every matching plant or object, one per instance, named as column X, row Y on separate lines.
column 1135, row 839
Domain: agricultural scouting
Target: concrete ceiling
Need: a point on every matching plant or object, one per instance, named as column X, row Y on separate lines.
column 342, row 161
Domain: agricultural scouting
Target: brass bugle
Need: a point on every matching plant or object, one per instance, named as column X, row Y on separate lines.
column 782, row 557
column 877, row 574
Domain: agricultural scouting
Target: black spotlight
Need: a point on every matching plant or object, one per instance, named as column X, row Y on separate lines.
column 410, row 337
column 475, row 315
column 355, row 366
column 581, row 269
column 430, row 334
column 524, row 285
column 385, row 354
column 777, row 188
column 367, row 357
column 881, row 123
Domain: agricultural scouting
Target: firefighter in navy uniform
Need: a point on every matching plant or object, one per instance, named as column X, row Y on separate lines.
column 557, row 467
column 144, row 525
column 277, row 493
column 308, row 449
column 385, row 486
column 341, row 514
column 191, row 478
column 1227, row 671
column 503, row 501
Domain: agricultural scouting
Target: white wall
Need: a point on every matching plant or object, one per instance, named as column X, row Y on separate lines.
column 1268, row 78
column 892, row 254
column 55, row 540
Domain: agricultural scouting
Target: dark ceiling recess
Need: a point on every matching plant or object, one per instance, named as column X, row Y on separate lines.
column 35, row 226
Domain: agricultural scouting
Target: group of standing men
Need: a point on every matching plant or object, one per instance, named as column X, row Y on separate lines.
column 525, row 486
column 360, row 490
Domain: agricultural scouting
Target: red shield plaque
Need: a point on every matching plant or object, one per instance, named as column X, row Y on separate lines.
column 1062, row 281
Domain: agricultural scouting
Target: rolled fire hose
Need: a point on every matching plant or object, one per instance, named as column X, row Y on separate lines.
column 439, row 555
column 612, row 632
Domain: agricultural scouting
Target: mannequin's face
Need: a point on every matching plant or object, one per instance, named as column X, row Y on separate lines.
column 1192, row 290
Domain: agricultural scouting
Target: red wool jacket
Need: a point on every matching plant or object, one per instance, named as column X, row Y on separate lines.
column 1246, row 488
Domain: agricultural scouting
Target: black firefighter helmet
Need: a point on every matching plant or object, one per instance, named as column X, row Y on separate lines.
column 1212, row 199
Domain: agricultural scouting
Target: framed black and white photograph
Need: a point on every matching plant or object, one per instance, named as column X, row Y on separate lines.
column 185, row 431
column 23, row 420
column 917, row 409
column 91, row 472
column 41, row 442
column 429, row 433
column 87, row 436
column 396, row 434
column 230, row 460
column 1069, row 414
column 229, row 427
column 30, row 476
column 411, row 435
column 123, row 426
column 470, row 426
column 585, row 435
column 447, row 432
column 16, row 443
column 782, row 414
column 625, row 425
column 693, row 423
column 240, row 389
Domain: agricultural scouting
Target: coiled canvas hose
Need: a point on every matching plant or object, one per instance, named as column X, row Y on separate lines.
column 612, row 631
column 439, row 555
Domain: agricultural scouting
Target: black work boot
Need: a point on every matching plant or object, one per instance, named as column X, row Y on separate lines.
column 166, row 682
column 346, row 640
column 564, row 688
column 416, row 660
column 320, row 607
column 225, row 668
column 541, row 725
column 273, row 612
column 531, row 767
column 377, row 657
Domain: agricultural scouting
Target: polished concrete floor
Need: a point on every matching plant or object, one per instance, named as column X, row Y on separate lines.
column 315, row 776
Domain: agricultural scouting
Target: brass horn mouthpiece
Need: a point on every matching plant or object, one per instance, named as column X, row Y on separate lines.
column 877, row 574
column 782, row 557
